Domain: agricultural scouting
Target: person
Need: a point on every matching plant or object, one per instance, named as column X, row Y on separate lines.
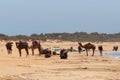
column 9, row 47
column 79, row 49
column 71, row 49
column 115, row 48
column 100, row 48
column 63, row 54
column 48, row 54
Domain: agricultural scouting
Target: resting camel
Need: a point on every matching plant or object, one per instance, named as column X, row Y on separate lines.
column 87, row 47
column 35, row 45
column 22, row 45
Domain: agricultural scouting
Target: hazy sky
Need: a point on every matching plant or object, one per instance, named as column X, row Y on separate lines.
column 48, row 16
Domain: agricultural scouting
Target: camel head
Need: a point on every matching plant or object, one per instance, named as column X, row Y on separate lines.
column 80, row 44
column 17, row 44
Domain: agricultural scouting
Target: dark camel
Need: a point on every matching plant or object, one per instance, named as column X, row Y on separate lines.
column 22, row 45
column 36, row 45
column 87, row 47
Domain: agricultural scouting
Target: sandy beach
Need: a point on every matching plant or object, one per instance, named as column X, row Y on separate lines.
column 76, row 67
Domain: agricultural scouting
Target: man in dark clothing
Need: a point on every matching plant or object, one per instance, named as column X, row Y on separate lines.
column 9, row 47
column 79, row 49
column 63, row 54
column 100, row 48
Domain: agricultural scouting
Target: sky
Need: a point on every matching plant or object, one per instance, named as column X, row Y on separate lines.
column 26, row 17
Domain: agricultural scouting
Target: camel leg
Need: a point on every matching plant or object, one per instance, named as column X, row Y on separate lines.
column 93, row 53
column 27, row 52
column 32, row 51
column 86, row 52
column 39, row 51
column 20, row 52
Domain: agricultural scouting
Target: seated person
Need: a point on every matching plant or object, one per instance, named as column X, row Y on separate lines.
column 63, row 54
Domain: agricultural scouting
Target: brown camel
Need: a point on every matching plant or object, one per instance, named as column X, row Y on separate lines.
column 35, row 45
column 87, row 47
column 22, row 45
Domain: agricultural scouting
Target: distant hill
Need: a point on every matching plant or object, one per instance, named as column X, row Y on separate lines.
column 77, row 36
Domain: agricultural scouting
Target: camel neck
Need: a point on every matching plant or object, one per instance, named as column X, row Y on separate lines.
column 81, row 45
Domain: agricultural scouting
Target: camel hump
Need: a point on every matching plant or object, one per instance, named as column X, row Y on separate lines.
column 90, row 45
column 24, row 43
column 36, row 42
column 79, row 43
column 21, row 43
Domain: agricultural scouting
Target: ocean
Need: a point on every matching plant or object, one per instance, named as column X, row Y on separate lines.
column 114, row 54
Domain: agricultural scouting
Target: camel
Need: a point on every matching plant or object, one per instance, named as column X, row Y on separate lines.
column 9, row 47
column 87, row 47
column 36, row 45
column 22, row 45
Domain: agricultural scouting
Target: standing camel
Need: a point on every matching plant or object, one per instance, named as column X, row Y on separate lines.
column 87, row 47
column 22, row 45
column 36, row 45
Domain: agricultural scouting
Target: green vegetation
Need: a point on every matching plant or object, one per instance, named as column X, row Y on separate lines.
column 77, row 36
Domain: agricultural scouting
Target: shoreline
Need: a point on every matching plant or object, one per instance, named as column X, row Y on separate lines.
column 114, row 55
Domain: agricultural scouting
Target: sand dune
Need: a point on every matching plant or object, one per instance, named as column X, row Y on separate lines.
column 76, row 67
